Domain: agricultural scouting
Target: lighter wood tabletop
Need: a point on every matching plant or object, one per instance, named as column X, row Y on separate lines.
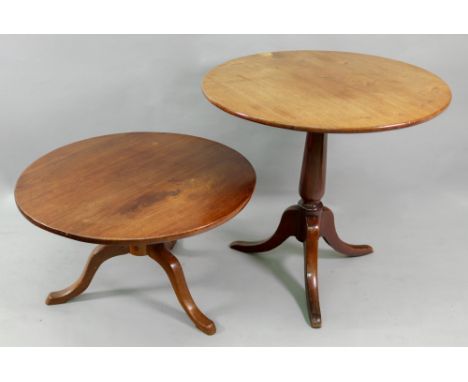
column 135, row 188
column 329, row 92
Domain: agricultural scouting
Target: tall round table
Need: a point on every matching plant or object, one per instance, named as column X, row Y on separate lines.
column 322, row 92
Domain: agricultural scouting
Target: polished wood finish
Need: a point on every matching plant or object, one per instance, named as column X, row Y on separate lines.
column 136, row 193
column 322, row 92
column 135, row 188
column 327, row 92
column 158, row 252
column 308, row 221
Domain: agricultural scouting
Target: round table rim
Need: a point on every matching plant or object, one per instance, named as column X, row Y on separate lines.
column 337, row 130
column 137, row 241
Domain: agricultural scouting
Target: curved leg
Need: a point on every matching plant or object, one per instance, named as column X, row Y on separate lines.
column 288, row 226
column 310, row 270
column 328, row 232
column 100, row 254
column 172, row 267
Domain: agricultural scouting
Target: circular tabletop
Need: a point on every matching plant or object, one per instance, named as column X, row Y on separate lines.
column 326, row 92
column 135, row 188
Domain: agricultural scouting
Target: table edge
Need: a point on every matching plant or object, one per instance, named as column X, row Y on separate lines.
column 337, row 130
column 147, row 240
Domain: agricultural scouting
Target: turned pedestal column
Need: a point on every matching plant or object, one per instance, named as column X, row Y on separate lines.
column 309, row 220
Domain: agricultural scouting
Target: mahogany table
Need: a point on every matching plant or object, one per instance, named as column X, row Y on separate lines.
column 322, row 92
column 136, row 193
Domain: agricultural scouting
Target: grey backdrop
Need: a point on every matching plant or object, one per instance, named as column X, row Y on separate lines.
column 404, row 192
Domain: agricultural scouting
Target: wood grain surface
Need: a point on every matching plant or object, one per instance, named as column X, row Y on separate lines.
column 135, row 188
column 330, row 92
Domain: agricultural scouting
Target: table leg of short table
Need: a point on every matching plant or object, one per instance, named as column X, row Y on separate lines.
column 163, row 256
column 99, row 255
column 308, row 221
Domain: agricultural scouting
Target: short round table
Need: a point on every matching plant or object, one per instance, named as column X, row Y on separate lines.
column 136, row 193
column 322, row 92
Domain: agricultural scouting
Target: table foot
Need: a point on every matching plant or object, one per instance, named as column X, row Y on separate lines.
column 329, row 234
column 173, row 269
column 100, row 254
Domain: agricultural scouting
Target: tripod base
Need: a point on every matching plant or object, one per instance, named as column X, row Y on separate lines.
column 307, row 224
column 158, row 252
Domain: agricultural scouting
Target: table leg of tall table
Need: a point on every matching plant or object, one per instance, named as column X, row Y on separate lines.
column 308, row 221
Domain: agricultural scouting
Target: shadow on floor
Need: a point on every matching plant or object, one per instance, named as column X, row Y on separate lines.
column 275, row 265
column 274, row 262
column 175, row 313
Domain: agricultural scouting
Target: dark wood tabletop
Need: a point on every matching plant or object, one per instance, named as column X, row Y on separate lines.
column 135, row 188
